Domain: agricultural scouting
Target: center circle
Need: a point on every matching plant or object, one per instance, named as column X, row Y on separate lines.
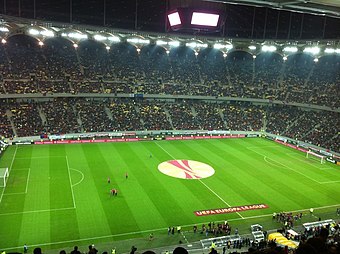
column 186, row 169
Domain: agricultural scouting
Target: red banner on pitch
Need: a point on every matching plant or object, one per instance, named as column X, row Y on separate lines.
column 234, row 209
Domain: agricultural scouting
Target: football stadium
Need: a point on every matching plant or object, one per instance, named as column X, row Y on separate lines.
column 173, row 126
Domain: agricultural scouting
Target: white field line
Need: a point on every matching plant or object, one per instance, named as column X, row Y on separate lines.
column 254, row 147
column 69, row 176
column 203, row 183
column 40, row 157
column 266, row 160
column 158, row 229
column 82, row 176
column 28, row 177
column 310, row 178
column 37, row 211
column 14, row 193
column 325, row 182
column 9, row 171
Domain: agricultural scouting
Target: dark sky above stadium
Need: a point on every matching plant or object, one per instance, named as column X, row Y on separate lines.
column 268, row 23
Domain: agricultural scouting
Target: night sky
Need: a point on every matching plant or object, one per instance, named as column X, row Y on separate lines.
column 121, row 14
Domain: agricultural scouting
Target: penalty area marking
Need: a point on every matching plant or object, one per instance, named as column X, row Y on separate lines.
column 288, row 168
column 159, row 229
column 9, row 171
column 82, row 176
column 202, row 182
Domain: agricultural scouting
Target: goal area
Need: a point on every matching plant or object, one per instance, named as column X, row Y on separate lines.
column 4, row 173
column 315, row 156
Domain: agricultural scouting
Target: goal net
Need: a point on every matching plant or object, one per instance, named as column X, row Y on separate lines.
column 315, row 156
column 4, row 173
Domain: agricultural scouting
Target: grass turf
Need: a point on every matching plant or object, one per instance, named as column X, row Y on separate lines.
column 58, row 195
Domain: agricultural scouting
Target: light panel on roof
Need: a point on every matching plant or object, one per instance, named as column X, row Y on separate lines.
column 267, row 48
column 174, row 19
column 99, row 37
column 4, row 29
column 174, row 43
column 138, row 40
column 312, row 50
column 33, row 31
column 290, row 49
column 114, row 39
column 196, row 45
column 329, row 50
column 204, row 19
column 77, row 35
column 160, row 42
column 223, row 46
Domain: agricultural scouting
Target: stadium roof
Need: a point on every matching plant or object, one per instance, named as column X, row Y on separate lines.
column 320, row 7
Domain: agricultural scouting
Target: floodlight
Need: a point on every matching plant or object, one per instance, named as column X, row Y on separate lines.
column 114, row 39
column 312, row 50
column 266, row 48
column 75, row 45
column 174, row 19
column 107, row 47
column 168, row 52
column 223, row 46
column 284, row 58
column 251, row 47
column 33, row 31
column 137, row 40
column 196, row 53
column 138, row 50
column 204, row 19
column 316, row 60
column 191, row 44
column 99, row 37
column 3, row 41
column 3, row 29
column 41, row 43
column 329, row 50
column 290, row 49
column 77, row 36
column 224, row 55
column 47, row 33
column 160, row 42
column 174, row 43
column 254, row 56
column 196, row 45
column 337, row 51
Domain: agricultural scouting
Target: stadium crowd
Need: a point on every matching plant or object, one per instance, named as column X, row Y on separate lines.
column 35, row 117
column 90, row 69
column 314, row 240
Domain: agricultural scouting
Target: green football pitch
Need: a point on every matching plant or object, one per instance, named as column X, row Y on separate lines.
column 59, row 195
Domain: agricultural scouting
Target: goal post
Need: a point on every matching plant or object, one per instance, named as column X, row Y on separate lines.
column 315, row 156
column 4, row 174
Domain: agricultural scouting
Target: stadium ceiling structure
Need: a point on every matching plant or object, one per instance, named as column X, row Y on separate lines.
column 42, row 30
column 329, row 8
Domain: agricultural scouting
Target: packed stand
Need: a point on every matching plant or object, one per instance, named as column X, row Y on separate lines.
column 60, row 116
column 154, row 116
column 184, row 66
column 182, row 116
column 6, row 129
column 154, row 62
column 209, row 116
column 26, row 118
column 93, row 115
column 124, row 116
column 244, row 117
